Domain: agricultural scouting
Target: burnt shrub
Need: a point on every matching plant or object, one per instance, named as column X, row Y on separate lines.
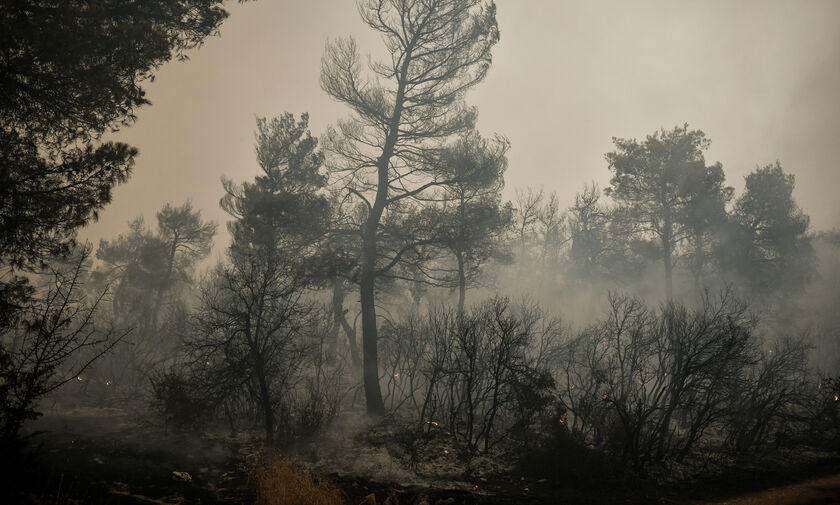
column 483, row 377
column 772, row 406
column 180, row 401
column 565, row 458
column 823, row 419
column 534, row 408
column 652, row 388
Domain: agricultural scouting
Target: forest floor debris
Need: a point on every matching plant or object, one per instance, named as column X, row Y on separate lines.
column 80, row 460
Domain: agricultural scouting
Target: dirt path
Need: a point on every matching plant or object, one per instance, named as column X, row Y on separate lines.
column 821, row 491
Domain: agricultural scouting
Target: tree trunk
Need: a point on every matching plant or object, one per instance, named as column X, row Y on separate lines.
column 462, row 287
column 699, row 283
column 370, row 357
column 666, row 257
column 332, row 338
column 170, row 266
column 265, row 398
column 340, row 321
column 367, row 299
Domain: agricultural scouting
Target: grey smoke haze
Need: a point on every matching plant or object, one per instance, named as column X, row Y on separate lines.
column 761, row 78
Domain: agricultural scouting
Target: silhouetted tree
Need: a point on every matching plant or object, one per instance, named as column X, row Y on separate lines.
column 134, row 264
column 251, row 318
column 437, row 50
column 473, row 218
column 187, row 239
column 527, row 204
column 600, row 238
column 767, row 241
column 703, row 211
column 551, row 226
column 144, row 267
column 647, row 179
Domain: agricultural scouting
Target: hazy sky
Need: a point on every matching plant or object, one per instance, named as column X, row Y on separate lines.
column 761, row 78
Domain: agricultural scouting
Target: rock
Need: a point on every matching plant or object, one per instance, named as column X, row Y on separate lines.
column 181, row 477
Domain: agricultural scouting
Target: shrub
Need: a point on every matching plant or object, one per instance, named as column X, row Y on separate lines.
column 646, row 385
column 179, row 401
column 565, row 459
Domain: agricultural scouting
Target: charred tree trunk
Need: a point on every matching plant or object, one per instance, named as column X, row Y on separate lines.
column 370, row 355
column 339, row 321
column 367, row 299
column 367, row 284
column 699, row 282
column 265, row 398
column 462, row 287
column 667, row 238
column 169, row 268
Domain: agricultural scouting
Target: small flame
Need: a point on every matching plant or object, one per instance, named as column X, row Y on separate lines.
column 433, row 423
column 107, row 383
column 396, row 376
column 475, row 488
column 79, row 378
column 770, row 351
column 836, row 398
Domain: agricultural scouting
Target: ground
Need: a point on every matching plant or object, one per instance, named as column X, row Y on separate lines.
column 109, row 456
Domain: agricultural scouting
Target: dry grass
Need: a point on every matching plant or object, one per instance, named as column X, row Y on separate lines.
column 277, row 482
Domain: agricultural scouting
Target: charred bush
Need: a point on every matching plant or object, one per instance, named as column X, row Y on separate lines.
column 646, row 385
column 180, row 401
column 535, row 407
column 317, row 396
column 50, row 340
column 823, row 428
column 564, row 458
column 771, row 407
column 477, row 376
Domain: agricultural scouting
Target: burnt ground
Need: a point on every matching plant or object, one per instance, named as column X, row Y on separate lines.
column 108, row 457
